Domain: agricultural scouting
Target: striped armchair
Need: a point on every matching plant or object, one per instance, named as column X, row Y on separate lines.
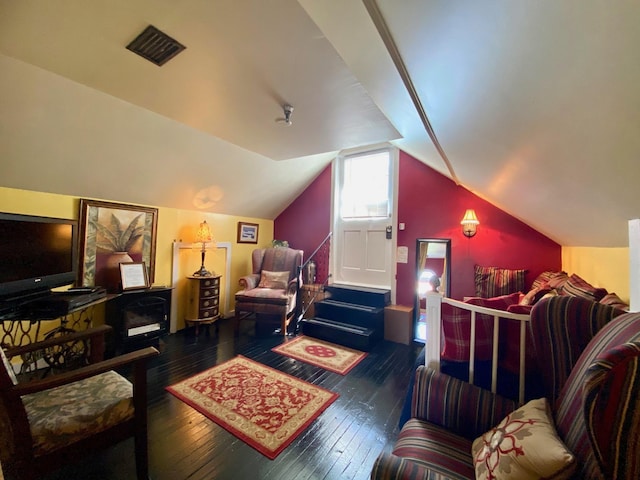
column 589, row 354
column 270, row 290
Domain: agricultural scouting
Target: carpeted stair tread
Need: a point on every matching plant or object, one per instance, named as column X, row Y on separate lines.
column 340, row 326
column 355, row 306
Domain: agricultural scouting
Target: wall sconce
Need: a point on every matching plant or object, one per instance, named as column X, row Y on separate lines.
column 204, row 236
column 469, row 223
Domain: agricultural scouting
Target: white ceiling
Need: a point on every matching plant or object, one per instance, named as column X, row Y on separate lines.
column 536, row 105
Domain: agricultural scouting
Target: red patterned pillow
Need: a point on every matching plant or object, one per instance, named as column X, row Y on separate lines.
column 558, row 281
column 496, row 281
column 542, row 279
column 577, row 287
column 615, row 301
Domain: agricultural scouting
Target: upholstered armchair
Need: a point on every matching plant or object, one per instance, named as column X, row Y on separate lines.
column 589, row 354
column 51, row 421
column 270, row 290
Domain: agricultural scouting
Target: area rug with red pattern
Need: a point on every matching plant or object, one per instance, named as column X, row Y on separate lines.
column 329, row 356
column 263, row 407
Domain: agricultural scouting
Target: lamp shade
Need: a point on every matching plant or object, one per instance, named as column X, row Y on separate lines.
column 204, row 233
column 469, row 223
column 470, row 217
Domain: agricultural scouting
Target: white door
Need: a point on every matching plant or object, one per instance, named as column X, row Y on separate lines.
column 364, row 216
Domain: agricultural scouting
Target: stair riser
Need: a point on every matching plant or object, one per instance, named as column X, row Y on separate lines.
column 362, row 296
column 352, row 316
column 359, row 341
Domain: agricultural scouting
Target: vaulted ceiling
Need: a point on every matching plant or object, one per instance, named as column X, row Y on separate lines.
column 534, row 106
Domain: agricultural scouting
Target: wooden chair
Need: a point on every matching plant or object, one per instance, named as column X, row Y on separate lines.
column 49, row 422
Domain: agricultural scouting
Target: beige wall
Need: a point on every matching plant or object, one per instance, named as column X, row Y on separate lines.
column 601, row 267
column 173, row 225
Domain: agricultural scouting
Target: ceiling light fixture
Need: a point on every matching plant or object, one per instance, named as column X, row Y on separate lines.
column 288, row 110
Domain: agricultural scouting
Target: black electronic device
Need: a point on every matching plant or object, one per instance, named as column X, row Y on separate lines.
column 60, row 303
column 36, row 255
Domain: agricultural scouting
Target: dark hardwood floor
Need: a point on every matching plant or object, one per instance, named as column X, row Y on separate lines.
column 183, row 444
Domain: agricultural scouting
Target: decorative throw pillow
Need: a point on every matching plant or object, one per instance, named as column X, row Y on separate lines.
column 273, row 279
column 615, row 301
column 496, row 281
column 523, row 446
column 543, row 279
column 578, row 287
column 534, row 295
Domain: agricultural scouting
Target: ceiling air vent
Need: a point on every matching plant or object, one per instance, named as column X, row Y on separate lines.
column 155, row 46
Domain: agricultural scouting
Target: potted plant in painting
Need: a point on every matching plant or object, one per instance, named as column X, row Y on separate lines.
column 117, row 240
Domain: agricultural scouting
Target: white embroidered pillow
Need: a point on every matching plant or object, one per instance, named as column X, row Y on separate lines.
column 274, row 279
column 523, row 446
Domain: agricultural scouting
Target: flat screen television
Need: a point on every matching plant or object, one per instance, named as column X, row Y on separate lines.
column 36, row 254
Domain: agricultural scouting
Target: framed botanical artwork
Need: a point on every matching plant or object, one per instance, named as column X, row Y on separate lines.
column 111, row 234
column 133, row 275
column 247, row 232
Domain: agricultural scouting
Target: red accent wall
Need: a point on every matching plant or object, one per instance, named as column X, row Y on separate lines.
column 431, row 206
column 307, row 221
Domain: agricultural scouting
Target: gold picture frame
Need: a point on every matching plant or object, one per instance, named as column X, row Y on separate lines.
column 113, row 233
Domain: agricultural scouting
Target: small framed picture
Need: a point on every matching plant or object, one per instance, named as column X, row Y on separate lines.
column 133, row 275
column 247, row 232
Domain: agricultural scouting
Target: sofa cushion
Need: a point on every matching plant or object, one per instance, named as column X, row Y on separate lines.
column 496, row 281
column 67, row 414
column 578, row 287
column 436, row 448
column 523, row 446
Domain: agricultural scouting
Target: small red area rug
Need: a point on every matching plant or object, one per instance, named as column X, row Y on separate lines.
column 329, row 356
column 263, row 407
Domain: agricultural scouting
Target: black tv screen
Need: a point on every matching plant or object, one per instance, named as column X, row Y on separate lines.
column 36, row 253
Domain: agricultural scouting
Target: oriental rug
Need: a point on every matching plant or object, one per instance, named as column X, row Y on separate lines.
column 329, row 356
column 265, row 408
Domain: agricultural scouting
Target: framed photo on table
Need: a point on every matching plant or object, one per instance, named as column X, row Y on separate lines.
column 133, row 276
column 247, row 232
column 112, row 233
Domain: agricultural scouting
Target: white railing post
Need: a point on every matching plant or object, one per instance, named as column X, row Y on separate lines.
column 434, row 330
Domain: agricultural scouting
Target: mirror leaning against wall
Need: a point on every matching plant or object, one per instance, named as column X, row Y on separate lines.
column 433, row 273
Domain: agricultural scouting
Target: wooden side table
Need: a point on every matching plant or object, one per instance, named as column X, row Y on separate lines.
column 203, row 307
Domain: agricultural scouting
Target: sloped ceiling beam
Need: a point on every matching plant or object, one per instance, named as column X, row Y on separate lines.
column 390, row 44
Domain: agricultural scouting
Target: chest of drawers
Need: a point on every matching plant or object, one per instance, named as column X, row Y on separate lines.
column 203, row 304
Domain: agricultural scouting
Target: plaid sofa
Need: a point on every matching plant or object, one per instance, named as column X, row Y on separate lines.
column 590, row 354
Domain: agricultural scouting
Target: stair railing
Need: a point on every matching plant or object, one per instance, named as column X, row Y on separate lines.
column 301, row 305
column 433, row 344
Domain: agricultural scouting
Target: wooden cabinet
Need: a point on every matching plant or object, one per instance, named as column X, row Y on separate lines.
column 203, row 304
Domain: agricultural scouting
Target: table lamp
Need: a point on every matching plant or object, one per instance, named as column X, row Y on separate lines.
column 203, row 235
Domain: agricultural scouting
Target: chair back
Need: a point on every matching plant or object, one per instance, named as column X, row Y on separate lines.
column 277, row 259
column 561, row 328
column 588, row 354
column 598, row 409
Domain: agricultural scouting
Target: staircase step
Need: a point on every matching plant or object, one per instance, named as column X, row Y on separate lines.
column 350, row 313
column 374, row 297
column 350, row 336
